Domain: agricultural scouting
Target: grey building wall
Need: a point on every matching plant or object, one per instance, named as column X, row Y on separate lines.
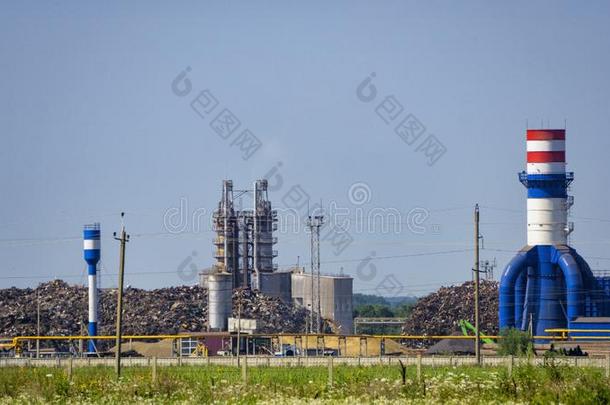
column 340, row 300
column 336, row 297
column 277, row 285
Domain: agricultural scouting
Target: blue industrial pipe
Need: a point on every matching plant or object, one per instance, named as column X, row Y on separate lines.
column 549, row 314
column 554, row 274
column 574, row 287
column 507, row 289
column 531, row 299
column 520, row 293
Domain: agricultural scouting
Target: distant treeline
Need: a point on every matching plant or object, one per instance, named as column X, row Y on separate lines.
column 375, row 306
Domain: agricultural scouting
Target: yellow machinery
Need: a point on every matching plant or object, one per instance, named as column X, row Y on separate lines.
column 200, row 351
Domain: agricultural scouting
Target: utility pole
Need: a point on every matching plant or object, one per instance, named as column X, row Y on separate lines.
column 80, row 341
column 238, row 326
column 315, row 223
column 38, row 324
column 124, row 238
column 313, row 291
column 477, row 342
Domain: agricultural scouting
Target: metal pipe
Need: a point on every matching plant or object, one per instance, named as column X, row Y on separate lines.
column 507, row 289
column 574, row 286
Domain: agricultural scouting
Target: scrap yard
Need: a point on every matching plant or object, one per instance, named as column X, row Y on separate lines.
column 245, row 313
column 244, row 305
column 398, row 202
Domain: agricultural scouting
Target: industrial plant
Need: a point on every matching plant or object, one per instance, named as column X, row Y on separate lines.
column 548, row 285
column 246, row 304
column 304, row 202
column 245, row 254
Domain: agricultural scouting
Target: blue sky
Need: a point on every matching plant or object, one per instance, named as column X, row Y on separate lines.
column 90, row 127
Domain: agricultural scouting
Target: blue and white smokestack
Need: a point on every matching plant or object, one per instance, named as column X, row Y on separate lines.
column 548, row 285
column 91, row 245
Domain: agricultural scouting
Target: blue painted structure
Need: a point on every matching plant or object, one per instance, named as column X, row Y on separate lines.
column 552, row 285
column 594, row 324
column 92, row 253
column 548, row 283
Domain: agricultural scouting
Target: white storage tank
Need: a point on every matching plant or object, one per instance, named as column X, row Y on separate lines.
column 220, row 290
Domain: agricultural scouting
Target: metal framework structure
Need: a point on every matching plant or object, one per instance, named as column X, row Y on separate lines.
column 358, row 321
column 244, row 238
column 315, row 223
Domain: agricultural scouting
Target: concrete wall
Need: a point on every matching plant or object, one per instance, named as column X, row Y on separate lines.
column 277, row 285
column 336, row 298
column 338, row 302
column 253, row 361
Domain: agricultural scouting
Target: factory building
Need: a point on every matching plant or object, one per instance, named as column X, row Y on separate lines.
column 244, row 254
column 244, row 251
column 290, row 286
column 277, row 284
column 336, row 293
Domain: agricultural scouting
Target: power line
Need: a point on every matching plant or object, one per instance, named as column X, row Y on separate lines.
column 132, row 273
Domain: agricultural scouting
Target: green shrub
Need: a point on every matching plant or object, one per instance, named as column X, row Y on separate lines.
column 515, row 342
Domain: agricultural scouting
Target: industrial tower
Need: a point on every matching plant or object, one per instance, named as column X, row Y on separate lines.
column 91, row 253
column 243, row 248
column 314, row 223
column 227, row 236
column 547, row 284
column 244, row 238
column 264, row 221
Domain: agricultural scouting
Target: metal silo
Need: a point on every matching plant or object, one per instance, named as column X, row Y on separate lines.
column 220, row 294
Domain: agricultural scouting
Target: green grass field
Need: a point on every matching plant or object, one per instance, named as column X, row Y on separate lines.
column 351, row 385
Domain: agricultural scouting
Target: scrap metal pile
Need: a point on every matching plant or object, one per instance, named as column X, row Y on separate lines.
column 63, row 310
column 440, row 312
column 272, row 314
